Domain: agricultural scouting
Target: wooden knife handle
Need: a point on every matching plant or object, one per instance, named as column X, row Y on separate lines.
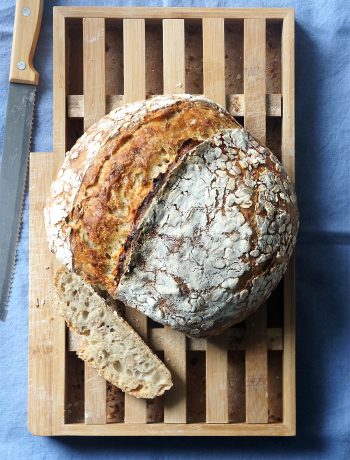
column 25, row 36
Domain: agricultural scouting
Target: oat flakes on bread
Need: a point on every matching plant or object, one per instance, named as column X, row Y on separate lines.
column 108, row 343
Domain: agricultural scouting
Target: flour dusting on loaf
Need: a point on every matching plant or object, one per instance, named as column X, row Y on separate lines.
column 111, row 173
column 217, row 240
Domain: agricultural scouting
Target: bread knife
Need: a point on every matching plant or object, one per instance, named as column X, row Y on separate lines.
column 18, row 126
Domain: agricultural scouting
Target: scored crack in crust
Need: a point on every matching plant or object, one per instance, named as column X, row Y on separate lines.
column 216, row 239
column 115, row 169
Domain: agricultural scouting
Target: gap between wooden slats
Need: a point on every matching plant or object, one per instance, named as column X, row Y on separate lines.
column 94, row 101
column 174, row 341
column 214, row 88
column 134, row 90
column 255, row 122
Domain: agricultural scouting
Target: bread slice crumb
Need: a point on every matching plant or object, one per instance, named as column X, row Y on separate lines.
column 109, row 343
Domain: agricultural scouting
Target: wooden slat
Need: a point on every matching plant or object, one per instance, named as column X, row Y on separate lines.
column 134, row 60
column 216, row 382
column 41, row 351
column 174, row 341
column 94, row 70
column 234, row 103
column 176, row 429
column 94, row 99
column 288, row 92
column 256, row 368
column 214, row 88
column 60, row 84
column 235, row 340
column 171, row 13
column 254, row 77
column 255, row 121
column 288, row 146
column 59, row 142
column 175, row 360
column 214, row 59
column 134, row 89
column 288, row 153
column 174, row 56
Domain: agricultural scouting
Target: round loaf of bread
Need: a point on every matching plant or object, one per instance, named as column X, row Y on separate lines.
column 173, row 208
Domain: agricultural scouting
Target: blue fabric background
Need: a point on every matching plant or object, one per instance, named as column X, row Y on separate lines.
column 323, row 267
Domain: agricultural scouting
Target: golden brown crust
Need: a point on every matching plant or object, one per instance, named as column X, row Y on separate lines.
column 122, row 178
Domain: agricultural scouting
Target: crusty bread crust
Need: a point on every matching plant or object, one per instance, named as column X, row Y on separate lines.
column 112, row 171
column 109, row 344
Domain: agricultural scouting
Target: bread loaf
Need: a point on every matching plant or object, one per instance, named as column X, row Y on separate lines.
column 173, row 208
column 217, row 238
column 108, row 343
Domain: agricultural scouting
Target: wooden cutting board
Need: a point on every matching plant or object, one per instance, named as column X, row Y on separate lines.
column 243, row 382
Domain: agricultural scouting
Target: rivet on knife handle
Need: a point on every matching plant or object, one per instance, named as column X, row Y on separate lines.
column 25, row 36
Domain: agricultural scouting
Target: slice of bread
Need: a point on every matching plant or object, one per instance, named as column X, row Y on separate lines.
column 109, row 343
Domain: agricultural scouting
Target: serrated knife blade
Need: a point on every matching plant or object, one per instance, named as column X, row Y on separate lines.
column 13, row 172
column 17, row 136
